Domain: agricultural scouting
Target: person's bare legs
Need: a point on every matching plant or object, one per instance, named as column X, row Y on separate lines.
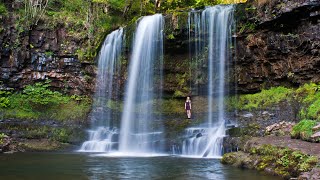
column 189, row 114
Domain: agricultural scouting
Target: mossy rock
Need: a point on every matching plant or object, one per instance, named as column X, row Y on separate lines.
column 249, row 130
column 274, row 160
column 41, row 145
column 238, row 159
column 234, row 132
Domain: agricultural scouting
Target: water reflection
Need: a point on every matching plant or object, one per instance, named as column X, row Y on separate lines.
column 166, row 168
column 79, row 166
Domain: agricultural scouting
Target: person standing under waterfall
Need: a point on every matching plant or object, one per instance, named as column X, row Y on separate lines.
column 187, row 107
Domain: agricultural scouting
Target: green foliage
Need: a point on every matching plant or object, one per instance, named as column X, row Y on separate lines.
column 309, row 96
column 170, row 36
column 48, row 53
column 114, row 105
column 117, row 4
column 38, row 101
column 3, row 9
column 264, row 99
column 178, row 93
column 247, row 27
column 4, row 100
column 177, row 126
column 179, row 4
column 307, row 163
column 308, row 92
column 285, row 161
column 303, row 129
column 313, row 110
column 169, row 106
column 61, row 135
column 2, row 136
column 37, row 132
column 40, row 97
column 306, row 96
column 174, row 5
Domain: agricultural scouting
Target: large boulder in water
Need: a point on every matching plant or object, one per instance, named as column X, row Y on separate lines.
column 5, row 142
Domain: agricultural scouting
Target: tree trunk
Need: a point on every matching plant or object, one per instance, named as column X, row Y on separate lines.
column 127, row 8
column 157, row 4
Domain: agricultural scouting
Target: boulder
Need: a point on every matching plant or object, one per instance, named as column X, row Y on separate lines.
column 316, row 135
column 314, row 174
column 317, row 127
column 282, row 128
column 5, row 144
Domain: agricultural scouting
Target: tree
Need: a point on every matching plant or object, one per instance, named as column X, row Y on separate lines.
column 127, row 7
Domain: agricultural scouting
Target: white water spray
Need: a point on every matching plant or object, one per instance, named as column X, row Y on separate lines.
column 136, row 134
column 216, row 26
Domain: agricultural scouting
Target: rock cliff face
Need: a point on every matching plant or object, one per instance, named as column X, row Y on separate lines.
column 41, row 53
column 277, row 43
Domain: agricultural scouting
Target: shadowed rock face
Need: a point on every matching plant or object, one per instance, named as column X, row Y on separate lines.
column 42, row 53
column 277, row 44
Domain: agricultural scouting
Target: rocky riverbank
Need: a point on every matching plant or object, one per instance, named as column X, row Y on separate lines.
column 40, row 135
column 278, row 155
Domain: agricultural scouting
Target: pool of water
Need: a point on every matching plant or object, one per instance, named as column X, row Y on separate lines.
column 85, row 166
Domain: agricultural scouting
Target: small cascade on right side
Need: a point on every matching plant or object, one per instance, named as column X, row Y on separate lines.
column 214, row 27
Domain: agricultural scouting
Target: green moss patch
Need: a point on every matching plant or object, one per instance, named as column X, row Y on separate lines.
column 3, row 9
column 283, row 162
column 303, row 130
column 39, row 102
column 261, row 100
column 306, row 100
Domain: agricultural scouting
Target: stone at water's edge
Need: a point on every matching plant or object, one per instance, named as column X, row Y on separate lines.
column 274, row 160
column 41, row 135
column 314, row 174
column 5, row 144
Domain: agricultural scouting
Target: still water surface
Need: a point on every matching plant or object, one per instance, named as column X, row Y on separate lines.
column 56, row 166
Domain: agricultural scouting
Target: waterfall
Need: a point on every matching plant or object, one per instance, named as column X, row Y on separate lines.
column 138, row 134
column 215, row 26
column 103, row 134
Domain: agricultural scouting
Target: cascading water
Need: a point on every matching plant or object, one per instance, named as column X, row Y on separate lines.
column 136, row 134
column 215, row 27
column 103, row 134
